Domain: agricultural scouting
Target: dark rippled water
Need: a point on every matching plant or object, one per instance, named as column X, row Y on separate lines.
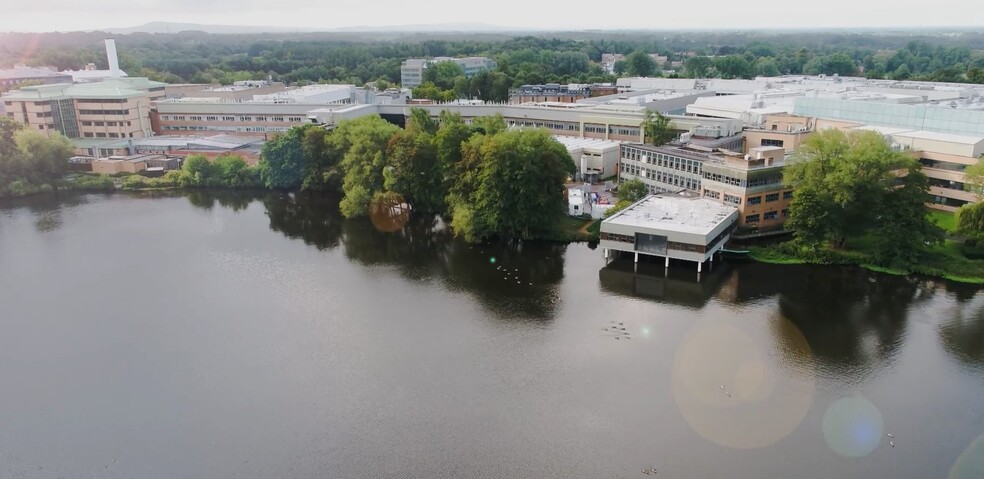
column 240, row 336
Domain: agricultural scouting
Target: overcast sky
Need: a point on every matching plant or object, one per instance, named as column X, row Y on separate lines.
column 70, row 15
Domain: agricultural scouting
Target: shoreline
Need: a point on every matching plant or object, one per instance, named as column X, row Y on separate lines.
column 768, row 255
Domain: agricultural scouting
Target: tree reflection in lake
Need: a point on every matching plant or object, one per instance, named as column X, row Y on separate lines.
column 425, row 249
column 962, row 334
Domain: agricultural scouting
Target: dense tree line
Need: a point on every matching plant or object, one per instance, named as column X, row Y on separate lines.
column 488, row 180
column 554, row 57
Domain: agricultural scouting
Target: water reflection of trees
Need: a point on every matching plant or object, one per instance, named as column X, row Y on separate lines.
column 48, row 210
column 313, row 219
column 853, row 320
column 962, row 334
column 424, row 249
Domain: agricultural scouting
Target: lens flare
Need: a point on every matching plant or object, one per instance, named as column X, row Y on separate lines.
column 731, row 392
column 853, row 427
column 970, row 464
column 492, row 260
column 389, row 213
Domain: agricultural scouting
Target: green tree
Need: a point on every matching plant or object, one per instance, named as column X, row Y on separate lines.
column 45, row 157
column 970, row 220
column 364, row 142
column 766, row 67
column 733, row 66
column 901, row 73
column 640, row 64
column 631, row 190
column 902, row 229
column 282, row 162
column 696, row 67
column 451, row 133
column 442, row 74
column 974, row 178
column 657, row 128
column 509, row 184
column 841, row 182
column 414, row 170
column 199, row 171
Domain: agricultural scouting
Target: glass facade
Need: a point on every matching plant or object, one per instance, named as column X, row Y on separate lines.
column 916, row 117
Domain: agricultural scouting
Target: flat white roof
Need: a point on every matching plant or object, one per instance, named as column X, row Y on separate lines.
column 674, row 213
column 572, row 142
column 947, row 137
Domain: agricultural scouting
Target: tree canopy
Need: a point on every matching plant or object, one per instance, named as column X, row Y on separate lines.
column 853, row 184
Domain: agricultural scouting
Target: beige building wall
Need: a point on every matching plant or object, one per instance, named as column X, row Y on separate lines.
column 114, row 118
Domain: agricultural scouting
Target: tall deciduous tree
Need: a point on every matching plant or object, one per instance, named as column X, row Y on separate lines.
column 282, row 162
column 509, row 184
column 364, row 141
column 640, row 64
column 852, row 184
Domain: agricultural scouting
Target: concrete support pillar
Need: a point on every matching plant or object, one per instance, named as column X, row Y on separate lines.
column 606, row 253
column 637, row 257
column 699, row 264
column 667, row 261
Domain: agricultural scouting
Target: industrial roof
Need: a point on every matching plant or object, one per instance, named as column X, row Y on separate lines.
column 111, row 88
column 674, row 213
column 21, row 71
column 571, row 143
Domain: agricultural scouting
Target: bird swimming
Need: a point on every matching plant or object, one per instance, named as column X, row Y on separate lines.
column 892, row 443
column 889, row 435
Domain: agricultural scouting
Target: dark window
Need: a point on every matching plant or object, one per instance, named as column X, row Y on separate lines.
column 755, row 200
column 752, row 219
column 787, row 195
column 785, row 213
column 771, row 215
column 771, row 142
column 771, row 197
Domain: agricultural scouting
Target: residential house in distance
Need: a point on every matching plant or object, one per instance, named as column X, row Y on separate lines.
column 412, row 70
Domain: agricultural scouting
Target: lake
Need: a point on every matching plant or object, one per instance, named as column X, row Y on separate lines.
column 259, row 335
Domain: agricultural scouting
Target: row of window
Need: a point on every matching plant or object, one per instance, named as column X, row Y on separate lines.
column 107, row 100
column 258, row 129
column 549, row 125
column 105, row 135
column 771, row 142
column 277, row 119
column 767, row 216
column 618, row 237
column 105, row 123
column 728, row 180
column 104, row 112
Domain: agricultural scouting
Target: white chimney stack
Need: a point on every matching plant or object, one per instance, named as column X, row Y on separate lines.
column 114, row 62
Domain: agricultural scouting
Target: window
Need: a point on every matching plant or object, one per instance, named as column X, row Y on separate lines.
column 755, row 200
column 787, row 195
column 110, row 123
column 228, row 118
column 771, row 142
column 100, row 123
column 771, row 215
column 732, row 199
column 785, row 213
column 712, row 194
column 87, row 135
column 114, row 135
column 100, row 135
column 769, row 198
column 752, row 219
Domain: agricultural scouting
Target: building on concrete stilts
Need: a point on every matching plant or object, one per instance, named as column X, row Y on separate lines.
column 670, row 226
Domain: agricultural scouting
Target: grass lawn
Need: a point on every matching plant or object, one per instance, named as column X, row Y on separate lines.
column 945, row 220
column 946, row 260
column 572, row 229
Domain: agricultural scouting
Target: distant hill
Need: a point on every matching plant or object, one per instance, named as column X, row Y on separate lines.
column 174, row 27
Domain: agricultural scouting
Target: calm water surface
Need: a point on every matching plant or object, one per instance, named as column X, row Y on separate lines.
column 237, row 336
